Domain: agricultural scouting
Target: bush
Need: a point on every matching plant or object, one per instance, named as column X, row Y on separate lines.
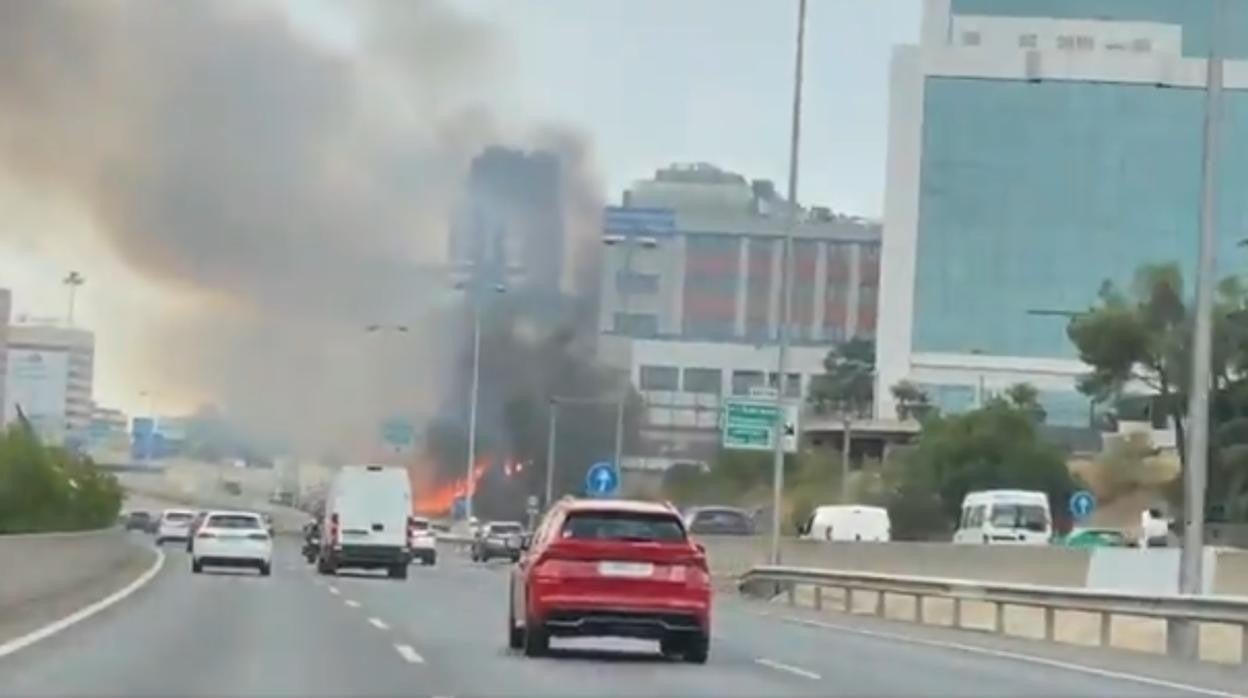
column 52, row 489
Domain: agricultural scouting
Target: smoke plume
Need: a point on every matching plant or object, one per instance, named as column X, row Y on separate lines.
column 295, row 191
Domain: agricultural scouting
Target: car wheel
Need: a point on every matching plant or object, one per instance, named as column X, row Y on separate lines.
column 697, row 648
column 432, row 560
column 197, row 566
column 671, row 646
column 515, row 633
column 536, row 639
column 265, row 569
column 160, row 541
column 325, row 566
column 398, row 572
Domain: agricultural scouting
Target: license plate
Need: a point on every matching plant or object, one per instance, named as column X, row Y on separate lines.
column 625, row 569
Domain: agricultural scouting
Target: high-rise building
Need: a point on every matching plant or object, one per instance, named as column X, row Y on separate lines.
column 691, row 295
column 50, row 376
column 1036, row 149
column 5, row 307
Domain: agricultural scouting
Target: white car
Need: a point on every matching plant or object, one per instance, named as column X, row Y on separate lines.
column 423, row 540
column 233, row 539
column 175, row 524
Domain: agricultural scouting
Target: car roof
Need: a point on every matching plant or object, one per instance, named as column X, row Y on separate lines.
column 179, row 511
column 626, row 506
column 230, row 512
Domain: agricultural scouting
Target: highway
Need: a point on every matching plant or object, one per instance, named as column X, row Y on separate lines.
column 441, row 633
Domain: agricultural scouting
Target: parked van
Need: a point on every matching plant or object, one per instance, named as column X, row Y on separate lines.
column 848, row 522
column 1005, row 517
column 367, row 514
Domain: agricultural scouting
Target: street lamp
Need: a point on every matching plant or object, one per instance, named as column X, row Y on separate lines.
column 786, row 301
column 72, row 281
column 630, row 243
column 474, row 298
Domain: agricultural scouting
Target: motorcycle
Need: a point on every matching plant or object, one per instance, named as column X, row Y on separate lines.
column 311, row 542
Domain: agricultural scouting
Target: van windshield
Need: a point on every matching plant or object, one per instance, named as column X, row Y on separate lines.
column 1029, row 517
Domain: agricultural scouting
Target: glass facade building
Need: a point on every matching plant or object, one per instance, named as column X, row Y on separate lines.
column 1059, row 146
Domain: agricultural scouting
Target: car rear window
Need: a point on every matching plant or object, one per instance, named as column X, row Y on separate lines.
column 418, row 525
column 240, row 521
column 179, row 516
column 622, row 525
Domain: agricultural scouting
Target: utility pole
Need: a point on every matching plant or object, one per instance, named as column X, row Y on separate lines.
column 469, row 473
column 551, row 429
column 1185, row 638
column 786, row 301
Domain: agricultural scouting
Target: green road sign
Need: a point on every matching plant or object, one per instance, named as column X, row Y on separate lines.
column 749, row 424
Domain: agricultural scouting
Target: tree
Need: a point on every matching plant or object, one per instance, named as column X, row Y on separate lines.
column 1025, row 397
column 997, row 446
column 848, row 382
column 912, row 402
column 1139, row 338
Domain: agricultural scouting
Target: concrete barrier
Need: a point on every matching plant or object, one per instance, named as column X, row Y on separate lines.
column 1045, row 565
column 47, row 576
column 286, row 520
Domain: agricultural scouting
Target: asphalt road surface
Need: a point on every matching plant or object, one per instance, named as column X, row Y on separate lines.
column 441, row 633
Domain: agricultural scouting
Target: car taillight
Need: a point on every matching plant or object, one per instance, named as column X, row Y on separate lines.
column 550, row 569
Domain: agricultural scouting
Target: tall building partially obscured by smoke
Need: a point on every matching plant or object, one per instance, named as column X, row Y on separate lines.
column 691, row 291
column 51, row 374
column 6, row 302
column 1036, row 149
column 510, row 227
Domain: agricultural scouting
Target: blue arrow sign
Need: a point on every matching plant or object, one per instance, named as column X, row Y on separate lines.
column 601, row 480
column 1082, row 504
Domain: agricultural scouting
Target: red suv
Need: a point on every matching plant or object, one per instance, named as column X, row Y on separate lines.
column 612, row 568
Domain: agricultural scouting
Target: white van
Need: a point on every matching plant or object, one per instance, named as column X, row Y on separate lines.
column 848, row 522
column 367, row 515
column 1019, row 517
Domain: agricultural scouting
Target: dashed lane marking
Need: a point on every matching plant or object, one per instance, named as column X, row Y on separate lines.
column 378, row 623
column 409, row 654
column 788, row 668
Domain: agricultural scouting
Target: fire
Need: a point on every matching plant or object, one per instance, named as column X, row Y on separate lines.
column 440, row 499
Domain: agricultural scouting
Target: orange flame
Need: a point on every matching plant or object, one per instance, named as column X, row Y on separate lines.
column 441, row 499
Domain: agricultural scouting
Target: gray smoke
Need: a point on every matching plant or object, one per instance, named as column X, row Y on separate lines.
column 298, row 193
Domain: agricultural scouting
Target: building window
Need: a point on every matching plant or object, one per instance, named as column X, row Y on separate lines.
column 634, row 282
column 1142, row 45
column 970, row 38
column 703, row 380
column 742, row 381
column 1028, row 41
column 792, row 386
column 1066, row 43
column 660, row 378
column 636, row 324
column 1085, row 43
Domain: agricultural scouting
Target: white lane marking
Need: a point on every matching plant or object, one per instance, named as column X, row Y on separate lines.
column 1016, row 656
column 352, row 603
column 83, row 613
column 334, row 590
column 780, row 666
column 410, row 654
column 378, row 623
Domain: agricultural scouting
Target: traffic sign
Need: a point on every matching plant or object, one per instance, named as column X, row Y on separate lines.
column 601, row 480
column 748, row 424
column 1082, row 504
column 398, row 432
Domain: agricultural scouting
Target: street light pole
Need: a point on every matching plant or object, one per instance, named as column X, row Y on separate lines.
column 551, row 429
column 786, row 301
column 73, row 280
column 469, row 485
column 1186, row 635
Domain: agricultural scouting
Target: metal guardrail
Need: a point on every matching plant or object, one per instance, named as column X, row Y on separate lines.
column 1223, row 610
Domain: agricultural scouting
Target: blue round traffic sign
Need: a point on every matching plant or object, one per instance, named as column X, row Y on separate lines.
column 1082, row 504
column 601, row 480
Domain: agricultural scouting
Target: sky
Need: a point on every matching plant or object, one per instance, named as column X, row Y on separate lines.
column 644, row 82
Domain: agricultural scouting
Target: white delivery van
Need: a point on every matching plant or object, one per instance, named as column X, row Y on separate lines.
column 367, row 515
column 995, row 517
column 848, row 522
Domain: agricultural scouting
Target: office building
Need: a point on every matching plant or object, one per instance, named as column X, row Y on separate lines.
column 50, row 375
column 1036, row 149
column 691, row 297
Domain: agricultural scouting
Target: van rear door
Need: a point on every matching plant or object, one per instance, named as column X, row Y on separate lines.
column 372, row 506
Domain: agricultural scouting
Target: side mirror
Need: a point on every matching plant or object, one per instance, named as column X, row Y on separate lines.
column 526, row 541
column 700, row 547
